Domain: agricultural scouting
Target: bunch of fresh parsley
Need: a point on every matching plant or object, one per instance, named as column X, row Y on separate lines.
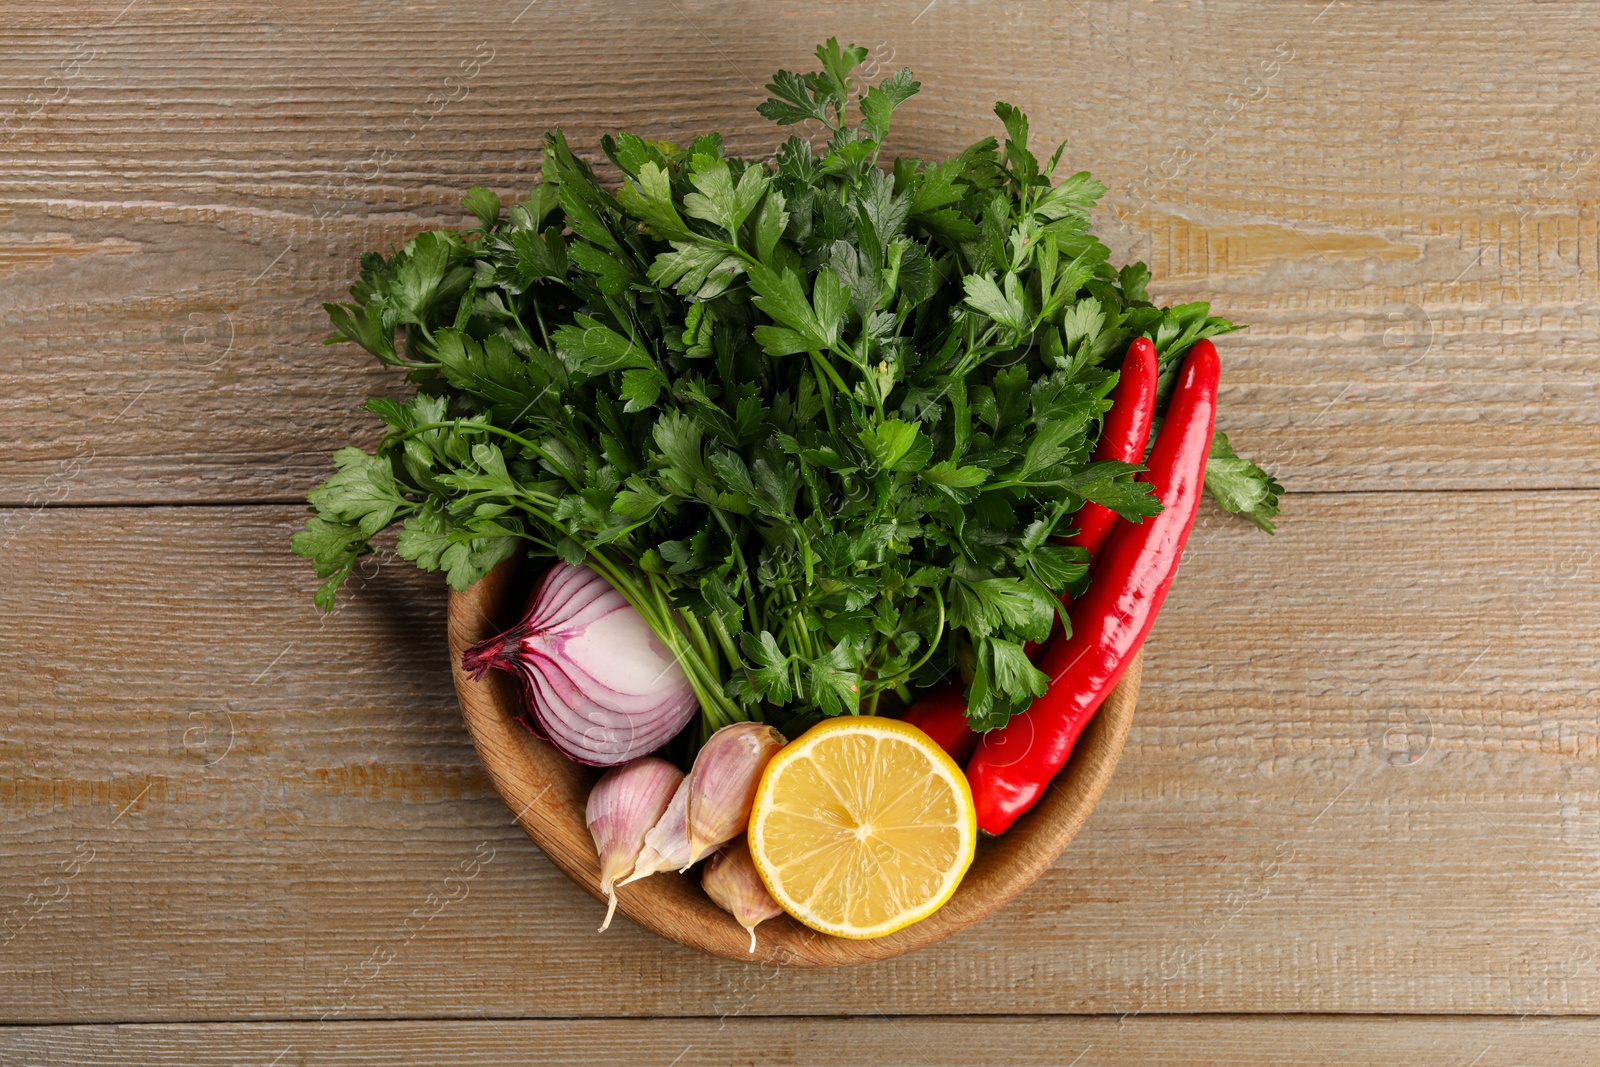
column 822, row 422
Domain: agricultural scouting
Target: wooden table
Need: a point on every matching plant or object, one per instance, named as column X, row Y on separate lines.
column 1357, row 819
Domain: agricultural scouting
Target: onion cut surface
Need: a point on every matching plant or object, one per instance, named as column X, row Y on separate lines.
column 599, row 683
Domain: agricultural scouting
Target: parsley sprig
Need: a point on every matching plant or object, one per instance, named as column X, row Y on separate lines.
column 823, row 423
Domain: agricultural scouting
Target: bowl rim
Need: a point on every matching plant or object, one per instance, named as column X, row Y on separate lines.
column 547, row 794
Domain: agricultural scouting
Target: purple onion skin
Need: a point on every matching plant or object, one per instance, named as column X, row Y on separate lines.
column 596, row 682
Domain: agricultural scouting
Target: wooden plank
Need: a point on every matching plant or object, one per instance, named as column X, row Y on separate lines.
column 1362, row 778
column 1413, row 242
column 1135, row 1041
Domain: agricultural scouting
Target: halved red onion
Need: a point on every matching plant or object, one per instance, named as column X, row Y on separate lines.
column 598, row 682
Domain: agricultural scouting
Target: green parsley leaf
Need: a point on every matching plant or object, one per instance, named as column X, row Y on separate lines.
column 1239, row 486
column 1058, row 566
column 484, row 203
column 767, row 666
column 1006, row 307
column 897, row 446
column 591, row 348
column 333, row 548
column 1008, row 604
column 648, row 198
column 793, row 100
column 833, row 683
column 363, row 493
column 879, row 102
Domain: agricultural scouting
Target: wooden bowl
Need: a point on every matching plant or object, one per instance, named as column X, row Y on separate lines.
column 547, row 792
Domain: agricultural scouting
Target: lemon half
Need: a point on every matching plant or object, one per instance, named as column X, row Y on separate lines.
column 862, row 826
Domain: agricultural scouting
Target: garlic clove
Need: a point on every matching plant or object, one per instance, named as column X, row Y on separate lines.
column 623, row 805
column 666, row 845
column 722, row 784
column 731, row 880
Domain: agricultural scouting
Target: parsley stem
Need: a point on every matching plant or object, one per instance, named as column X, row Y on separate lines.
column 862, row 369
column 805, row 552
column 688, row 643
column 542, row 516
column 744, row 577
column 538, row 542
column 795, row 630
column 900, row 679
column 824, row 390
column 821, row 513
column 821, row 361
column 538, row 316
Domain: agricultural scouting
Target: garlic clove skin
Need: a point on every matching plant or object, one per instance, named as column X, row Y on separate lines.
column 666, row 846
column 722, row 784
column 730, row 879
column 623, row 805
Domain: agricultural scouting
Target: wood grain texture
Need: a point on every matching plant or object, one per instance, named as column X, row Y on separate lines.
column 1413, row 241
column 1363, row 777
column 548, row 792
column 1136, row 1041
column 1357, row 782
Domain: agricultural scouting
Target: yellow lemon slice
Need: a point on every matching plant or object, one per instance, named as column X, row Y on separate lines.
column 862, row 826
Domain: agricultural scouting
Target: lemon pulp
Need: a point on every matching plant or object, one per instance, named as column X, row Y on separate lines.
column 862, row 827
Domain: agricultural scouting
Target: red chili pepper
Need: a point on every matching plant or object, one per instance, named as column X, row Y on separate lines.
column 1014, row 765
column 1122, row 438
column 1127, row 425
column 941, row 713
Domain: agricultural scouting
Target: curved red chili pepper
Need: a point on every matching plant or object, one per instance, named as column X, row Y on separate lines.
column 941, row 713
column 1122, row 438
column 1127, row 425
column 1014, row 765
